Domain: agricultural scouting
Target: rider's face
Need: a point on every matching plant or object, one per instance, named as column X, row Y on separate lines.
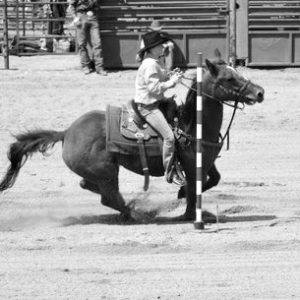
column 157, row 51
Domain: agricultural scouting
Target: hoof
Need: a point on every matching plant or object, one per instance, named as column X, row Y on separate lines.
column 207, row 217
column 126, row 218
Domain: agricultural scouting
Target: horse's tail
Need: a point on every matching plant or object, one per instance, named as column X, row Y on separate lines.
column 26, row 144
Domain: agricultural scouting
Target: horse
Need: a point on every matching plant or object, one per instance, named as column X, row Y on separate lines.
column 84, row 143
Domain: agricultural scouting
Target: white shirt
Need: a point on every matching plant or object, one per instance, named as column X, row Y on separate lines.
column 150, row 83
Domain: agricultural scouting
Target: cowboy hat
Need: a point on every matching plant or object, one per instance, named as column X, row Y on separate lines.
column 155, row 26
column 152, row 39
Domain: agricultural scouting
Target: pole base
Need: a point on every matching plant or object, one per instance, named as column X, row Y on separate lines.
column 199, row 225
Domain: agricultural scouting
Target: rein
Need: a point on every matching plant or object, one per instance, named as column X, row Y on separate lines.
column 218, row 100
column 235, row 107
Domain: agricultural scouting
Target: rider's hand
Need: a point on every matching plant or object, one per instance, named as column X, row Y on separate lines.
column 176, row 78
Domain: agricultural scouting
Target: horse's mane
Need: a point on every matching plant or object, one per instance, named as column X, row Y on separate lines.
column 188, row 109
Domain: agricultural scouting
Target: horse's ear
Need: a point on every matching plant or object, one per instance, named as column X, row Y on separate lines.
column 213, row 69
column 218, row 53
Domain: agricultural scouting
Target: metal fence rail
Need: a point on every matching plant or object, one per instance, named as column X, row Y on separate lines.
column 274, row 33
column 37, row 27
column 177, row 15
column 194, row 26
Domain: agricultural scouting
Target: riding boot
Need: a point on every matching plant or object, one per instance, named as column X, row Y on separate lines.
column 174, row 172
column 169, row 167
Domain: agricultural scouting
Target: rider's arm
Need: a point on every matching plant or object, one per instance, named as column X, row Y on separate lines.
column 154, row 79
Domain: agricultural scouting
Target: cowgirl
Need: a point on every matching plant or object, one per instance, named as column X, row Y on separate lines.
column 150, row 85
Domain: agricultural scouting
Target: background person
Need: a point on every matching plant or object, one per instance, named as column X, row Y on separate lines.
column 87, row 29
column 151, row 83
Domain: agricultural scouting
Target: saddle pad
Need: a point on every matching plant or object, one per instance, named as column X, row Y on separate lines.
column 116, row 142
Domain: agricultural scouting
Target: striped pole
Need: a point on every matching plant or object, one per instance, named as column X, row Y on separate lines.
column 199, row 224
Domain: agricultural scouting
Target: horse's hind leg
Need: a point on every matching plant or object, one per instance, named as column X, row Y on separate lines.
column 109, row 192
column 111, row 196
column 87, row 185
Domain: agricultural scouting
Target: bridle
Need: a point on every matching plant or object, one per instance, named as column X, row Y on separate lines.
column 239, row 94
column 216, row 85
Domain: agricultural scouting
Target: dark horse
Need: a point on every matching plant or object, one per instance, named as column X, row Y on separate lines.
column 84, row 142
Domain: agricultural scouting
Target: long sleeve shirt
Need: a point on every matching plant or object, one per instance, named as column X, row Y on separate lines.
column 151, row 82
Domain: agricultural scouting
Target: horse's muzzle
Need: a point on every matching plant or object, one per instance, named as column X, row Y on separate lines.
column 256, row 95
column 260, row 95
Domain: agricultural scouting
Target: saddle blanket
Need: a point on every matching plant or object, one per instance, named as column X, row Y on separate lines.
column 118, row 143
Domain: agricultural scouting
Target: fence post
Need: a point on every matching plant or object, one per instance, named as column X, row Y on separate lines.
column 199, row 224
column 5, row 47
column 232, row 36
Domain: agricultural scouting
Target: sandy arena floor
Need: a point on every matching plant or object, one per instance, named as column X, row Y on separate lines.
column 58, row 242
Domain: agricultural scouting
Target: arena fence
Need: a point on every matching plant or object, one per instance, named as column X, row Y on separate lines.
column 252, row 32
column 37, row 27
column 268, row 32
column 192, row 24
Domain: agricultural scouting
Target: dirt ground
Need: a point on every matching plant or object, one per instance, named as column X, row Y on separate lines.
column 58, row 242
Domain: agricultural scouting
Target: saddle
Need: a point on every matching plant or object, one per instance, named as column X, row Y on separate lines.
column 133, row 125
column 128, row 133
column 124, row 130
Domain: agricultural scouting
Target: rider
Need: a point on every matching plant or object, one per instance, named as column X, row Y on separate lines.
column 151, row 83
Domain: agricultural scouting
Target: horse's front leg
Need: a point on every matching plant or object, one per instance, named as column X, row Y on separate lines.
column 189, row 191
column 213, row 178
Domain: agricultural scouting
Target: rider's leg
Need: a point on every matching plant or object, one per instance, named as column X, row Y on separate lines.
column 157, row 120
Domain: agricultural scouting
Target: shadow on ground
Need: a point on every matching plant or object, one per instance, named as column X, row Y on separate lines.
column 117, row 219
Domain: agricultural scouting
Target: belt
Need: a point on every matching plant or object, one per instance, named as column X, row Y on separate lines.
column 149, row 106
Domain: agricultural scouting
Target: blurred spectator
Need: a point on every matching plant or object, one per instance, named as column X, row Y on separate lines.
column 84, row 14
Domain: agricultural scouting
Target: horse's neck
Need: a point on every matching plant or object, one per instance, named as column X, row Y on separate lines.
column 212, row 119
column 212, row 110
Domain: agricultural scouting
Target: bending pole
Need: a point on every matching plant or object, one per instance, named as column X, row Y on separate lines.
column 199, row 224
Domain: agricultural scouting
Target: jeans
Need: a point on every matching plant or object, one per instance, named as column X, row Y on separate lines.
column 157, row 120
column 88, row 30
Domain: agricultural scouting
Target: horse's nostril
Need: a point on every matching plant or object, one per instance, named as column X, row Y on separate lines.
column 260, row 96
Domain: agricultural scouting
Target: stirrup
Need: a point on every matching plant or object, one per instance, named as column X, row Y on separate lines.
column 174, row 177
column 178, row 181
column 169, row 175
